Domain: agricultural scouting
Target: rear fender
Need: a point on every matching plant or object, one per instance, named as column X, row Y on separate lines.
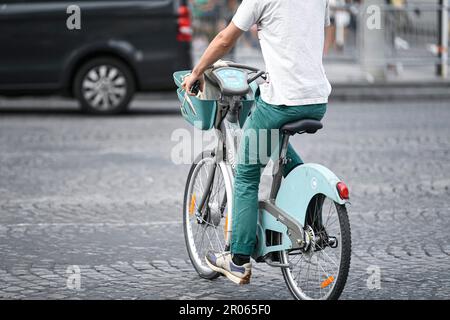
column 302, row 184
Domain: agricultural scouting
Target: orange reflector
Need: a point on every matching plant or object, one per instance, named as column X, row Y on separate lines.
column 192, row 206
column 225, row 227
column 325, row 283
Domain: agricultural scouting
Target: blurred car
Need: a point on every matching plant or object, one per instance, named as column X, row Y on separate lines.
column 100, row 54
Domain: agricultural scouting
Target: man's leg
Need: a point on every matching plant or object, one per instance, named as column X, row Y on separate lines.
column 236, row 266
column 245, row 209
column 245, row 192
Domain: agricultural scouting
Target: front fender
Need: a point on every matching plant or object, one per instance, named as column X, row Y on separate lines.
column 301, row 184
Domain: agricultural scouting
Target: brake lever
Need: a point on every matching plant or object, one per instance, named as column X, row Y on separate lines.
column 261, row 74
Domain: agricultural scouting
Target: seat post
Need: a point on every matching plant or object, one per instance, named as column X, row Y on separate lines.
column 277, row 173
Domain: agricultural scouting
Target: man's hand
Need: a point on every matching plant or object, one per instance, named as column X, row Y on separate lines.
column 189, row 81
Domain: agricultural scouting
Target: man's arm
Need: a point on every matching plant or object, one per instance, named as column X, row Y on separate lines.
column 220, row 46
column 328, row 39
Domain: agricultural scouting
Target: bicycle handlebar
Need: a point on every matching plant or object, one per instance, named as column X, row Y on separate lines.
column 259, row 73
column 256, row 76
column 243, row 66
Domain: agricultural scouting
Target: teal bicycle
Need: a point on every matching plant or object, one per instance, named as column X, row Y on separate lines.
column 303, row 228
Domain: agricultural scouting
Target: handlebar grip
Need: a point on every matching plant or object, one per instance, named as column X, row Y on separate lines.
column 195, row 88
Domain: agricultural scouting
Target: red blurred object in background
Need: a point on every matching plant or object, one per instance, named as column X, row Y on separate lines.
column 184, row 24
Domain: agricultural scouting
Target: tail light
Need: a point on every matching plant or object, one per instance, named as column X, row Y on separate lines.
column 342, row 190
column 184, row 24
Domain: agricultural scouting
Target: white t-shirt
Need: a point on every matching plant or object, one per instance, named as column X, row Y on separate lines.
column 291, row 34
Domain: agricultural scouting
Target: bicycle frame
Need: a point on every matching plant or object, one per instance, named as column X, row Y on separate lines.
column 282, row 216
column 292, row 223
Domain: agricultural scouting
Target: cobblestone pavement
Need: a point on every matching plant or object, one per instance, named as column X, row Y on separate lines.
column 101, row 193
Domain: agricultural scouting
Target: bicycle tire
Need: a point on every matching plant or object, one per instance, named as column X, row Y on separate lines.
column 196, row 260
column 344, row 264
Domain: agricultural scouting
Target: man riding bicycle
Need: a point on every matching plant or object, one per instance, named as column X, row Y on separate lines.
column 291, row 35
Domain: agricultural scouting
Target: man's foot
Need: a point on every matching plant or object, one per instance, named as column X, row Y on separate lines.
column 223, row 263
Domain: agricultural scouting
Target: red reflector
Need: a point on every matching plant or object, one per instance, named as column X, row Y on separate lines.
column 342, row 190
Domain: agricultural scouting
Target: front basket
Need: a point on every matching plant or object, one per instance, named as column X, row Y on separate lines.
column 202, row 113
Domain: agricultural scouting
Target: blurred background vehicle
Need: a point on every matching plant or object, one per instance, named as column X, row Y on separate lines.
column 121, row 47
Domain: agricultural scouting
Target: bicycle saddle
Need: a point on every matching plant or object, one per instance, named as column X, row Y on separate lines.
column 301, row 126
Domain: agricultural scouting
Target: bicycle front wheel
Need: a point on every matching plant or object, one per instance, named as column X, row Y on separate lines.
column 205, row 229
column 320, row 270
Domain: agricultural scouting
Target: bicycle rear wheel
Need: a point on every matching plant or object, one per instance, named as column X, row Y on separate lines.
column 206, row 229
column 320, row 270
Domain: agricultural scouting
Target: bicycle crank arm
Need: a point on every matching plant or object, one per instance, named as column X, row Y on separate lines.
column 295, row 229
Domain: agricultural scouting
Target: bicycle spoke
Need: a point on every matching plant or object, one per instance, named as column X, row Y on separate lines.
column 201, row 243
column 318, row 277
column 301, row 260
column 325, row 254
column 315, row 212
column 329, row 214
column 307, row 275
column 221, row 248
column 329, row 224
column 209, row 239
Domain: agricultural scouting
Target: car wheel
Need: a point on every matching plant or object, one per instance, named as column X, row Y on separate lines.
column 104, row 86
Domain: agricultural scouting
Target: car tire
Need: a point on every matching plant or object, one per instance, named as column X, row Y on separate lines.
column 104, row 86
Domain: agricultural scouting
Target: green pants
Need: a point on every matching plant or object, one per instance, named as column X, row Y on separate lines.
column 248, row 171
